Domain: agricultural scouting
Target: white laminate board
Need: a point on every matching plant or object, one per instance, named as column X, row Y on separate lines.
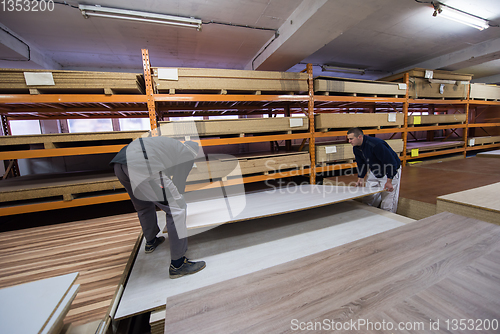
column 269, row 203
column 56, row 319
column 485, row 197
column 35, row 301
column 490, row 154
column 233, row 250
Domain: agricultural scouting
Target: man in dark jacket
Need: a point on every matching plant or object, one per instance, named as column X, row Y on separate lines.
column 154, row 170
column 384, row 166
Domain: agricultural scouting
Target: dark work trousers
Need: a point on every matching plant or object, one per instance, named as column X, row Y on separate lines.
column 146, row 211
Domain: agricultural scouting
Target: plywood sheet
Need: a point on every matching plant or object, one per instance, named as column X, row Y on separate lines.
column 473, row 141
column 237, row 80
column 480, row 203
column 37, row 300
column 484, row 92
column 489, row 154
column 234, row 250
column 54, row 325
column 437, row 119
column 436, row 74
column 434, row 88
column 212, row 127
column 440, row 268
column 365, row 87
column 342, row 120
column 341, row 151
column 276, row 201
column 425, row 146
column 220, row 166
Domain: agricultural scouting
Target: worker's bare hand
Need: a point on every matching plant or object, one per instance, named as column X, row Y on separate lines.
column 359, row 183
column 388, row 186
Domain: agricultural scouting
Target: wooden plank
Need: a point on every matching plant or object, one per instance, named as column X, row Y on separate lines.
column 55, row 323
column 473, row 141
column 343, row 151
column 362, row 120
column 99, row 250
column 437, row 119
column 484, row 92
column 233, row 250
column 417, row 258
column 342, row 85
column 39, row 299
column 232, row 126
column 480, row 203
column 426, row 146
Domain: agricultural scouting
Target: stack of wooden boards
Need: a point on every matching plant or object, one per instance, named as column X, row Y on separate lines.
column 37, row 307
column 483, row 140
column 327, row 152
column 435, row 84
column 341, row 86
column 480, row 91
column 73, row 82
column 189, row 80
column 325, row 121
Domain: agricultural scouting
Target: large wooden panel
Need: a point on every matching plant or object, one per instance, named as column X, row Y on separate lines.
column 483, row 140
column 99, row 249
column 398, row 276
column 36, row 301
column 480, row 203
column 235, row 80
column 484, row 92
column 341, row 151
column 362, row 87
column 340, row 120
column 213, row 127
column 233, row 250
column 489, row 154
column 437, row 119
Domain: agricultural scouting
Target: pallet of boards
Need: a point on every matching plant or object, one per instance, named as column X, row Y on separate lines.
column 222, row 81
column 479, row 91
column 58, row 140
column 326, row 152
column 325, row 121
column 474, row 141
column 440, row 84
column 21, row 81
column 215, row 127
column 354, row 87
column 220, row 166
column 65, row 186
column 437, row 119
column 429, row 146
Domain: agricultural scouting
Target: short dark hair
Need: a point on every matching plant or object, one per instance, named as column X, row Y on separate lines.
column 356, row 131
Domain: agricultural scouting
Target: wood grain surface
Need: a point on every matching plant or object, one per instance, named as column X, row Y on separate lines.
column 98, row 249
column 440, row 268
column 489, row 154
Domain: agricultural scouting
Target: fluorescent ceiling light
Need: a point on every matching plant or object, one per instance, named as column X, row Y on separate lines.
column 328, row 68
column 456, row 15
column 133, row 15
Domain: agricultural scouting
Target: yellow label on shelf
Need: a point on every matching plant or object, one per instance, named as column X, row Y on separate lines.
column 417, row 119
column 414, row 152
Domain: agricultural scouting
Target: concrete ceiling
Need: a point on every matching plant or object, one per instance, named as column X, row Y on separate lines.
column 380, row 36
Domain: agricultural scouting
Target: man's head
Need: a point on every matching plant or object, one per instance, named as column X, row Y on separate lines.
column 355, row 136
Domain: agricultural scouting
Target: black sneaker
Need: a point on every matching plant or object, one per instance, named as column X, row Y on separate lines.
column 150, row 247
column 187, row 268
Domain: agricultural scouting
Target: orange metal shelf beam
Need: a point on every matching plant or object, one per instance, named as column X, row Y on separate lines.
column 225, row 97
column 437, row 127
column 488, row 103
column 367, row 131
column 27, row 208
column 71, row 98
column 431, row 101
column 482, row 147
column 59, row 152
column 483, row 125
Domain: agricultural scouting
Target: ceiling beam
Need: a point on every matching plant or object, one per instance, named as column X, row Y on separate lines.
column 493, row 79
column 17, row 53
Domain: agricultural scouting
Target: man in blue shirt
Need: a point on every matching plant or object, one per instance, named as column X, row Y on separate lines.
column 375, row 157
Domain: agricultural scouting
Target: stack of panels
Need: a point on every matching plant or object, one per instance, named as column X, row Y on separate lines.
column 484, row 140
column 361, row 87
column 369, row 120
column 437, row 119
column 429, row 146
column 342, row 151
column 435, row 84
column 45, row 303
column 226, row 166
column 480, row 91
column 168, row 80
column 215, row 127
column 57, row 81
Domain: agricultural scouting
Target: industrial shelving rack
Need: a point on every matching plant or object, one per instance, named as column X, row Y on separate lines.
column 59, row 106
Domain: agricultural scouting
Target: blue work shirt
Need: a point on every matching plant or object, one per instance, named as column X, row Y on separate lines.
column 378, row 156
